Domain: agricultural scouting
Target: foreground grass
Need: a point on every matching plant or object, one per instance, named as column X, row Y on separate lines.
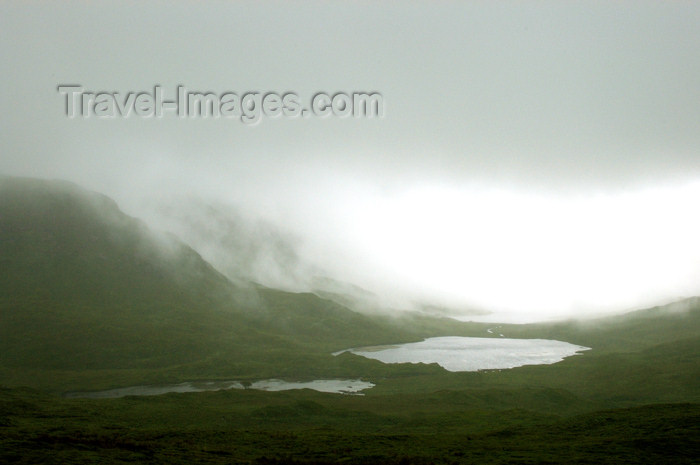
column 305, row 427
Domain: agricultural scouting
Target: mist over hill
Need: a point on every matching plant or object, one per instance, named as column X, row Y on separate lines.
column 84, row 286
column 250, row 250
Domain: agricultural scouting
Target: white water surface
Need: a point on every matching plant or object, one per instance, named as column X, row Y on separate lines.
column 473, row 353
column 337, row 386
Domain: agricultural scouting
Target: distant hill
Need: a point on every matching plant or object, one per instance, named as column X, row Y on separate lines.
column 632, row 331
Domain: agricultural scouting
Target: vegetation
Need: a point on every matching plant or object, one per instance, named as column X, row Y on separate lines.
column 91, row 299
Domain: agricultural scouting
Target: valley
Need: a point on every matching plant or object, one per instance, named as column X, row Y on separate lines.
column 93, row 300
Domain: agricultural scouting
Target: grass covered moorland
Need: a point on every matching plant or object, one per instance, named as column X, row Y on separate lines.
column 92, row 299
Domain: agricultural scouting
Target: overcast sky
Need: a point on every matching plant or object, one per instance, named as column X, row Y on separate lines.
column 536, row 158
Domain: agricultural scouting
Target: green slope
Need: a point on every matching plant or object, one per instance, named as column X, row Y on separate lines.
column 85, row 286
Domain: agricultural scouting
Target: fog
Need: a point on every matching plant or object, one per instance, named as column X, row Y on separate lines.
column 536, row 160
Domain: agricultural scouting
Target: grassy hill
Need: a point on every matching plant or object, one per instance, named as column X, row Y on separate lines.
column 84, row 287
column 626, row 332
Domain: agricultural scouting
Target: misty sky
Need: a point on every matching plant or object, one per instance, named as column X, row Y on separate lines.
column 535, row 158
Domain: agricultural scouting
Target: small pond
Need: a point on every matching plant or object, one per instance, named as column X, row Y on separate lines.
column 338, row 386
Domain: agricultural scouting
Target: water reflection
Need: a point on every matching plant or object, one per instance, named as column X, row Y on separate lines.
column 473, row 353
column 338, row 386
